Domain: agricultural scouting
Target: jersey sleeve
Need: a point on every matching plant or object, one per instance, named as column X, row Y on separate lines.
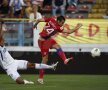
column 47, row 19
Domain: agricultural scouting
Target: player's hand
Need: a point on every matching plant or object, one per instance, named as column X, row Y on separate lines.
column 76, row 28
column 35, row 26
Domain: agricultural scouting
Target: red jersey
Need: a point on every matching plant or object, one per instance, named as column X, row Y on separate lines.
column 50, row 29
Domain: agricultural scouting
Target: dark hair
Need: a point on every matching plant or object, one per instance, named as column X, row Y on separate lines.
column 60, row 18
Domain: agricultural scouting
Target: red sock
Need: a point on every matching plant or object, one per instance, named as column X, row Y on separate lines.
column 41, row 73
column 61, row 54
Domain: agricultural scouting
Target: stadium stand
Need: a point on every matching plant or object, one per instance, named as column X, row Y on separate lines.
column 71, row 8
column 98, row 9
column 84, row 9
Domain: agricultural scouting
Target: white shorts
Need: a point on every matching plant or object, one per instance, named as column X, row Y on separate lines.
column 16, row 65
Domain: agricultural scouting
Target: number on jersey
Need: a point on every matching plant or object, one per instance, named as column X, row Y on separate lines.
column 49, row 29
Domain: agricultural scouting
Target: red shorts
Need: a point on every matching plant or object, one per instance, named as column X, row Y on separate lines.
column 46, row 45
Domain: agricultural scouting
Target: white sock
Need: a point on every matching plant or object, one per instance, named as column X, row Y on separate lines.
column 42, row 66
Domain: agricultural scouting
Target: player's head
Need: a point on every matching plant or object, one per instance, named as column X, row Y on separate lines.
column 61, row 20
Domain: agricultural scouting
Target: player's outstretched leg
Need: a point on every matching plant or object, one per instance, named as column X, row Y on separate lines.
column 63, row 56
column 67, row 60
column 41, row 67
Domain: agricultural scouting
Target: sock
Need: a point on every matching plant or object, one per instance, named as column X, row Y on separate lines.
column 41, row 73
column 61, row 54
column 42, row 66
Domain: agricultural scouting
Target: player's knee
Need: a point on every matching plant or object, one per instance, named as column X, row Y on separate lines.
column 19, row 81
column 45, row 59
column 30, row 65
column 59, row 50
column 56, row 46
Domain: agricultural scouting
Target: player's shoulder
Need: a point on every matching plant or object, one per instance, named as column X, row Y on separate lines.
column 51, row 18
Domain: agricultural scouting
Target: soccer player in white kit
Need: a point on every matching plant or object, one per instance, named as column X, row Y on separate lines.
column 10, row 65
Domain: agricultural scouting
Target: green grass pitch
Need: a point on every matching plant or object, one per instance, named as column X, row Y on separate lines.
column 58, row 82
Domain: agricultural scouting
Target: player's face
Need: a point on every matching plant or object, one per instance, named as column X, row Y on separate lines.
column 61, row 23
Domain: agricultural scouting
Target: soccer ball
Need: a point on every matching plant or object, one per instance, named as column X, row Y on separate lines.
column 95, row 52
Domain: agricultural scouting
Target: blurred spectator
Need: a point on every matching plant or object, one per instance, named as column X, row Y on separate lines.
column 58, row 5
column 47, row 2
column 73, row 2
column 106, row 15
column 30, row 12
column 4, row 8
column 28, row 9
column 31, row 16
column 35, row 4
column 36, row 30
column 1, row 2
column 17, row 8
column 72, row 6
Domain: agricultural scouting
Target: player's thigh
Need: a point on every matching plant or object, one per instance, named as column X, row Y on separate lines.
column 46, row 44
column 43, row 47
column 40, row 43
column 54, row 44
column 21, row 64
column 50, row 42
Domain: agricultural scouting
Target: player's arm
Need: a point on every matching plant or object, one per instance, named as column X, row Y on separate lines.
column 42, row 20
column 73, row 30
column 38, row 21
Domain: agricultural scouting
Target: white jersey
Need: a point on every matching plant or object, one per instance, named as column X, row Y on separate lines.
column 5, row 58
column 38, row 16
column 12, row 2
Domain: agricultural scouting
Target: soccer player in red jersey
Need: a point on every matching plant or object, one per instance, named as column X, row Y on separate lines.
column 46, row 41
